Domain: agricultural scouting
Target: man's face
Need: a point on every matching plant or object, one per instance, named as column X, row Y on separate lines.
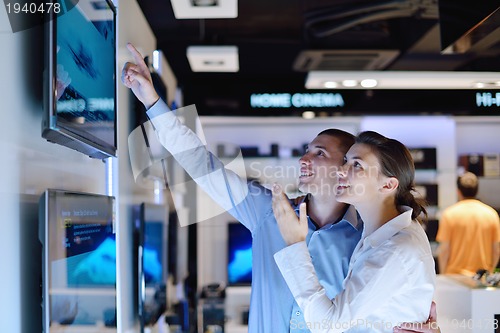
column 319, row 166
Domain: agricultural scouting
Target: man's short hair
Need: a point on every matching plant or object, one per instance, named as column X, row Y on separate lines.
column 346, row 139
column 468, row 185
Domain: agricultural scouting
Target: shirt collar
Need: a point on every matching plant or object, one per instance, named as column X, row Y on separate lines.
column 389, row 229
column 351, row 215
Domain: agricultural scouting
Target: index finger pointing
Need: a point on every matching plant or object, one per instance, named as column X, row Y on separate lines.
column 137, row 56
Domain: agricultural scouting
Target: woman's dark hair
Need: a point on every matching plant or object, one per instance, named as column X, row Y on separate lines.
column 346, row 139
column 396, row 161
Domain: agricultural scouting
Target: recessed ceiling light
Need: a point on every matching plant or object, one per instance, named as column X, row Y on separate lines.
column 349, row 83
column 308, row 114
column 331, row 84
column 405, row 79
column 368, row 83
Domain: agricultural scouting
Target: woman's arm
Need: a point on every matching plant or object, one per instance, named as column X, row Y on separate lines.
column 379, row 281
column 430, row 326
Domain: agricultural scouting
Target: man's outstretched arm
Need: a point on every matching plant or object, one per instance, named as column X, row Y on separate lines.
column 246, row 202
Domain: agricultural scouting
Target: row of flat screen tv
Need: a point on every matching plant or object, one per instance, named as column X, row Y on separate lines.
column 77, row 232
column 78, row 236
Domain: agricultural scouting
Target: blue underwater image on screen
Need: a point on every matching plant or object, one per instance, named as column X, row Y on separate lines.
column 86, row 60
column 153, row 252
column 95, row 267
column 239, row 268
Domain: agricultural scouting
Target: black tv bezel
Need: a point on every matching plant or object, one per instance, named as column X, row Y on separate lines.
column 52, row 129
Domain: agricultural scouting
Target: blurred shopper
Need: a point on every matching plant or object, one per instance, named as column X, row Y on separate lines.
column 469, row 232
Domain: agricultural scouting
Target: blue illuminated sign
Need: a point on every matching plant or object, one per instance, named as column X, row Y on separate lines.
column 297, row 100
column 487, row 99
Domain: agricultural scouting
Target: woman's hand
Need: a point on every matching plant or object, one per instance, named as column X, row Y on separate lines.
column 293, row 229
column 430, row 326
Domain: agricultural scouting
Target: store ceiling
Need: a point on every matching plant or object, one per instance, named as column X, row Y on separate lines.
column 279, row 41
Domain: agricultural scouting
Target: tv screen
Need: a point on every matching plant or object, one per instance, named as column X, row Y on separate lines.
column 239, row 251
column 77, row 232
column 153, row 253
column 151, row 224
column 80, row 96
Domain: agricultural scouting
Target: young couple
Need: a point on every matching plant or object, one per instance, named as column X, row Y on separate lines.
column 355, row 259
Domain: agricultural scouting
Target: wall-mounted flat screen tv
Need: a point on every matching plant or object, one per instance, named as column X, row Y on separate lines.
column 239, row 255
column 77, row 233
column 152, row 254
column 80, row 82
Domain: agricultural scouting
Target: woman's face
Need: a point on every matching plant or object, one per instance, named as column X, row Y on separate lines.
column 360, row 180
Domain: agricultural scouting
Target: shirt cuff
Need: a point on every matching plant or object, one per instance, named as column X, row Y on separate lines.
column 159, row 108
column 294, row 263
column 287, row 257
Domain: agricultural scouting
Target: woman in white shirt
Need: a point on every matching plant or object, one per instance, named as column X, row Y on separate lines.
column 391, row 273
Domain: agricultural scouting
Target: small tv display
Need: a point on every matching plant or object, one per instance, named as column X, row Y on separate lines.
column 239, row 253
column 77, row 233
column 151, row 227
column 153, row 253
column 80, row 82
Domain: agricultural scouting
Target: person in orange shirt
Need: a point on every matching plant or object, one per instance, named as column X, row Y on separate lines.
column 469, row 232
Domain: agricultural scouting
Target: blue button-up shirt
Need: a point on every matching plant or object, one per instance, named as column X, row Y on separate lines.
column 272, row 306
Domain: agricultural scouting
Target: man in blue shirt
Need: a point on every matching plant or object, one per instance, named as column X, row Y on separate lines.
column 334, row 228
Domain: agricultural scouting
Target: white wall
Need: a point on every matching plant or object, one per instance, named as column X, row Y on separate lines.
column 132, row 27
column 481, row 135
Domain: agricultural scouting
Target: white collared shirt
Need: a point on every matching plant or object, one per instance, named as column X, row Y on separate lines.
column 390, row 280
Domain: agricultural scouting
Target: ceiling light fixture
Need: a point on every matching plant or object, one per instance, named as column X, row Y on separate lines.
column 331, row 84
column 204, row 3
column 368, row 83
column 404, row 79
column 205, row 9
column 308, row 115
column 213, row 58
column 349, row 83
